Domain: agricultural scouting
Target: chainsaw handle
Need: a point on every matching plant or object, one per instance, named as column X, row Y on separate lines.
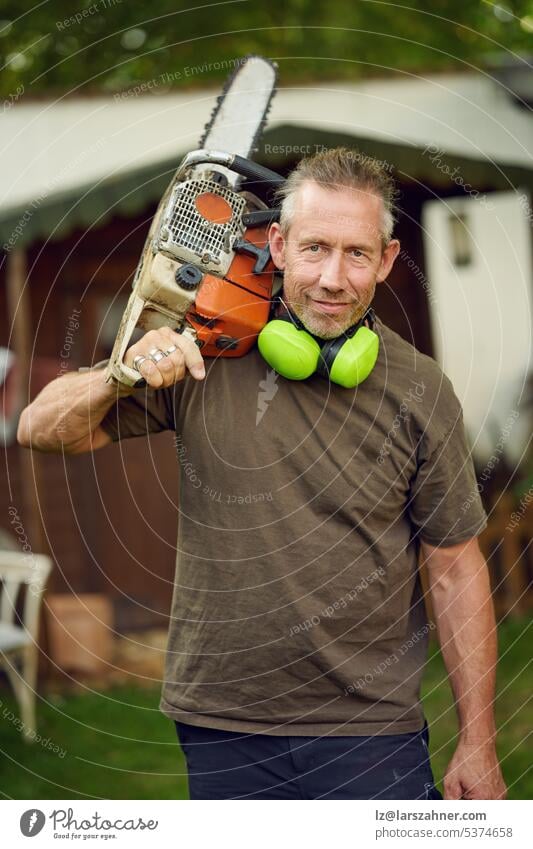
column 252, row 171
column 245, row 167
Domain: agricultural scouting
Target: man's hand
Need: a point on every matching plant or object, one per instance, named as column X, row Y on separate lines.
column 474, row 773
column 172, row 367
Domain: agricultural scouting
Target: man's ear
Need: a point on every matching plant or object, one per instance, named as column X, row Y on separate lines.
column 277, row 245
column 387, row 260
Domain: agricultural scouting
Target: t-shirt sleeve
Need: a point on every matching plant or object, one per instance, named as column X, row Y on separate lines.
column 445, row 506
column 145, row 411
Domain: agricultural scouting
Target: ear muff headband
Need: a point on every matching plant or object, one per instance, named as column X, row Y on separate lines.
column 296, row 354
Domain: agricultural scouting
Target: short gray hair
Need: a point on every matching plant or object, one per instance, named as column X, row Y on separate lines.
column 336, row 169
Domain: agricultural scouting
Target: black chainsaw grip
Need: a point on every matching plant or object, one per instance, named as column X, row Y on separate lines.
column 253, row 171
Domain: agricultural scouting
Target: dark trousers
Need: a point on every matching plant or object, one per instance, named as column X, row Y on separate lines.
column 232, row 765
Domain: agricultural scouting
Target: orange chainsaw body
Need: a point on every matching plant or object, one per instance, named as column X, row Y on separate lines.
column 230, row 311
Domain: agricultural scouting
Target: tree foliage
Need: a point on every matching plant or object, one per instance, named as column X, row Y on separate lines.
column 57, row 47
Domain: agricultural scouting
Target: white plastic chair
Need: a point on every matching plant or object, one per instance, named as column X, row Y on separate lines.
column 18, row 644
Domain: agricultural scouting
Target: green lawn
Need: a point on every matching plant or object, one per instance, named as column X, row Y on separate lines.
column 119, row 746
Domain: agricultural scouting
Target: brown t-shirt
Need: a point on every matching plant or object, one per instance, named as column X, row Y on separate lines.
column 297, row 605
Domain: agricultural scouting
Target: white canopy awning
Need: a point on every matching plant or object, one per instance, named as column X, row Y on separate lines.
column 53, row 148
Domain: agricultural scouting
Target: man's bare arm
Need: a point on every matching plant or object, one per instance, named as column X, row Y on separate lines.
column 462, row 602
column 66, row 415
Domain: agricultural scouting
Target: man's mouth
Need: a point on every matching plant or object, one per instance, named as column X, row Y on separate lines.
column 332, row 307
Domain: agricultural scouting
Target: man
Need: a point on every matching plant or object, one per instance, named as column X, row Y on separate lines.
column 298, row 630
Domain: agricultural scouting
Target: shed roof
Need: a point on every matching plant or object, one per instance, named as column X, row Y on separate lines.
column 73, row 162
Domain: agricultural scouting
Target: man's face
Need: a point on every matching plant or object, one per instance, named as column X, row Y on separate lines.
column 332, row 257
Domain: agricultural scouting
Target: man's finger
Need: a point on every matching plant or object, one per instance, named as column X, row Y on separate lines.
column 452, row 789
column 151, row 373
column 172, row 367
column 193, row 358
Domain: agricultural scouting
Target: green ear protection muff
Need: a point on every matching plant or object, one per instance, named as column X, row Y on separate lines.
column 296, row 354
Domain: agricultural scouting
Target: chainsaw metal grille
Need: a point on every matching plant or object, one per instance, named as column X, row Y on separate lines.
column 186, row 234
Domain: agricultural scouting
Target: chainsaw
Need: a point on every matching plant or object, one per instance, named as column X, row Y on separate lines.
column 206, row 269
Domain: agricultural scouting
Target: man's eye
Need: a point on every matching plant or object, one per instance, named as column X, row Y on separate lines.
column 313, row 248
column 357, row 253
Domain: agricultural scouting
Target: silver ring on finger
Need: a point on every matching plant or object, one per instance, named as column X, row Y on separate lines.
column 138, row 361
column 171, row 349
column 156, row 355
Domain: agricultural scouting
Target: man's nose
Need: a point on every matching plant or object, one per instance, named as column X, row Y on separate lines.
column 331, row 272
